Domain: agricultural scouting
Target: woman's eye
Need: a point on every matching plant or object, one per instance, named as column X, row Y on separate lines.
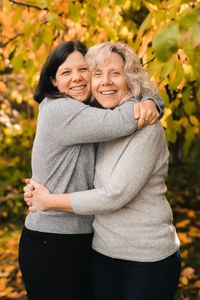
column 65, row 73
column 97, row 73
column 84, row 69
column 115, row 73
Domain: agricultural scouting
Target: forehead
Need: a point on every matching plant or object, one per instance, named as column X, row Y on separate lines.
column 114, row 60
column 75, row 59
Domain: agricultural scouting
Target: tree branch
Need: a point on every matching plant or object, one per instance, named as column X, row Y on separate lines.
column 11, row 39
column 28, row 5
column 148, row 61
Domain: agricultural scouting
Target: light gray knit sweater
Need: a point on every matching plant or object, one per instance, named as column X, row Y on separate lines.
column 133, row 219
column 61, row 161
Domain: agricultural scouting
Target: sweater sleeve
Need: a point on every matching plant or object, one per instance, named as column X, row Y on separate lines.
column 73, row 122
column 129, row 176
column 157, row 100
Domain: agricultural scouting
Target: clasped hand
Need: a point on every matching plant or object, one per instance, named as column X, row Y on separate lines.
column 35, row 195
column 146, row 113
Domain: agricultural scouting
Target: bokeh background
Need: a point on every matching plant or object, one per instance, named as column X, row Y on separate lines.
column 166, row 37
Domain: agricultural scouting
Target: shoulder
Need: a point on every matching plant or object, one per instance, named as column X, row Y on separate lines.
column 64, row 101
column 155, row 129
column 150, row 135
column 64, row 106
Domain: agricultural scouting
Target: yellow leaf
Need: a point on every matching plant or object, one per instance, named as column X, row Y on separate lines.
column 3, row 283
column 194, row 120
column 191, row 213
column 197, row 284
column 184, row 254
column 184, row 238
column 194, row 232
column 183, row 223
column 3, row 87
column 9, row 269
column 184, row 281
column 188, row 272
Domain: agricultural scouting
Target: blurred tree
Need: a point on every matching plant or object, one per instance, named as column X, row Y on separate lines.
column 164, row 34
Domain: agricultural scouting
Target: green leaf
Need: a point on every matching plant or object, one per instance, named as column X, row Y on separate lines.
column 154, row 68
column 165, row 42
column 135, row 4
column 54, row 21
column 18, row 14
column 194, row 121
column 47, row 35
column 30, row 67
column 74, row 11
column 38, row 41
column 173, row 127
column 91, row 14
column 17, row 62
column 189, row 136
column 196, row 35
column 166, row 68
column 154, row 1
column 27, row 29
column 189, row 107
column 119, row 2
column 198, row 95
column 190, row 19
column 176, row 76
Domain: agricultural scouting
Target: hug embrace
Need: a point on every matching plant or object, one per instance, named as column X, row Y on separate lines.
column 99, row 225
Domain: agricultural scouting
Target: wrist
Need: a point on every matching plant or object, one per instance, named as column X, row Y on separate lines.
column 50, row 201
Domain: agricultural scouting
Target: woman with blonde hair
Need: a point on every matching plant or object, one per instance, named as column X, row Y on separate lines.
column 135, row 245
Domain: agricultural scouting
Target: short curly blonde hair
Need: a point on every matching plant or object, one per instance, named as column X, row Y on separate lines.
column 138, row 82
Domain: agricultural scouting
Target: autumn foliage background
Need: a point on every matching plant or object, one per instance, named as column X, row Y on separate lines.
column 166, row 37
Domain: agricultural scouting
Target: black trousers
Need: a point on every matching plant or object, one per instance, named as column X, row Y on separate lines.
column 56, row 266
column 116, row 279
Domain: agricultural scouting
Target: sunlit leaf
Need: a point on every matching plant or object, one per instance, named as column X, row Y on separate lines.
column 74, row 11
column 183, row 223
column 184, row 238
column 17, row 62
column 176, row 76
column 165, row 42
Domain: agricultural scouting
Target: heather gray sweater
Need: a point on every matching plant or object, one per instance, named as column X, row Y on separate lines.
column 133, row 219
column 63, row 156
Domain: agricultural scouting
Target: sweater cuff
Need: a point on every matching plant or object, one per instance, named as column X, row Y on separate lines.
column 78, row 205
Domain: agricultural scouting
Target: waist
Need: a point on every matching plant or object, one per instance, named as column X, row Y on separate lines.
column 59, row 222
column 136, row 243
column 54, row 237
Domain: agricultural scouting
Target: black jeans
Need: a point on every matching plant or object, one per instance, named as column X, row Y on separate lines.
column 116, row 279
column 56, row 266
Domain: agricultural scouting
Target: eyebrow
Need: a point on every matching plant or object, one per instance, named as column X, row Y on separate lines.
column 111, row 70
column 68, row 68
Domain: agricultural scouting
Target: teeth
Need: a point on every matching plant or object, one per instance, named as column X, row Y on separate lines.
column 108, row 92
column 78, row 88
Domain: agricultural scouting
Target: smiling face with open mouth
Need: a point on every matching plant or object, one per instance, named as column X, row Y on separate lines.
column 109, row 85
column 73, row 77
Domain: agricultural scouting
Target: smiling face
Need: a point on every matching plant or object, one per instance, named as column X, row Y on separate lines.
column 73, row 77
column 109, row 85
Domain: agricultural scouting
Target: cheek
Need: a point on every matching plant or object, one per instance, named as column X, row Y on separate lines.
column 63, row 83
column 87, row 78
column 94, row 86
column 123, row 88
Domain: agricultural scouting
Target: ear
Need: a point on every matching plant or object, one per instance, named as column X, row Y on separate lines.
column 54, row 82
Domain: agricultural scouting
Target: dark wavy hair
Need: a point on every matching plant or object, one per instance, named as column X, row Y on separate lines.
column 45, row 87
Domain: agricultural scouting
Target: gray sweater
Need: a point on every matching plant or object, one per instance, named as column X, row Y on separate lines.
column 133, row 219
column 63, row 156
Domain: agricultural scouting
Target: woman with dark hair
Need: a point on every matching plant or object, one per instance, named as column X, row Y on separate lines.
column 135, row 246
column 54, row 248
column 46, row 87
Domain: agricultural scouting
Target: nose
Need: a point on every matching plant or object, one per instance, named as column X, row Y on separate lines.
column 105, row 79
column 76, row 75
